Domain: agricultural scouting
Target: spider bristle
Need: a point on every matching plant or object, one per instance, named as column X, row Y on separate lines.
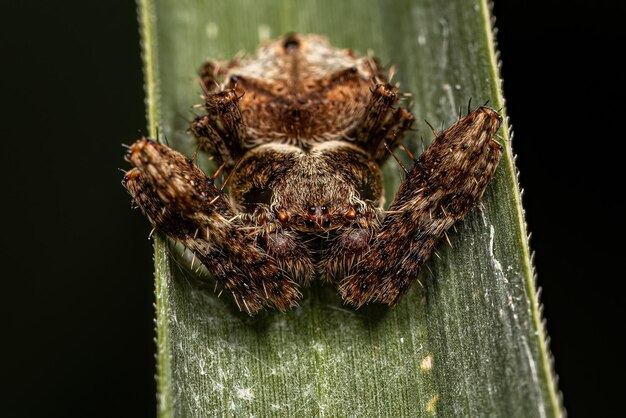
column 432, row 129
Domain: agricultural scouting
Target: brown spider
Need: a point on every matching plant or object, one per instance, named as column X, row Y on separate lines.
column 301, row 130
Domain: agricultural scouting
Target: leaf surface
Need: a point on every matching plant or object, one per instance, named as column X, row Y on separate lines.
column 470, row 342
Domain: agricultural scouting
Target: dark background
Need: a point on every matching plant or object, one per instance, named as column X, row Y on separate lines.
column 77, row 294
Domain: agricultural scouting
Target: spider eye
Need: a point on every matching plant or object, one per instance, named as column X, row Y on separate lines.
column 256, row 196
column 283, row 216
column 350, row 214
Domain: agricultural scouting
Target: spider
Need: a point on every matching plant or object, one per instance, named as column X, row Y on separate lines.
column 300, row 131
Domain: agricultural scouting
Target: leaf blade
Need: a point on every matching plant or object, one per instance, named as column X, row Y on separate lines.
column 432, row 354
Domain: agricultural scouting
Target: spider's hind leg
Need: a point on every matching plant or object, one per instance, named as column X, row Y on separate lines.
column 211, row 73
column 392, row 133
column 221, row 131
column 383, row 122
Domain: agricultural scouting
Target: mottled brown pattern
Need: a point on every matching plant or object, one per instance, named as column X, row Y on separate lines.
column 442, row 186
column 301, row 130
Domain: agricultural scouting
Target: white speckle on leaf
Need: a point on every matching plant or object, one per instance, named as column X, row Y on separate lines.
column 496, row 263
column 445, row 34
column 201, row 364
column 448, row 89
column 264, row 32
column 212, row 30
column 319, row 347
column 421, row 39
column 244, row 393
column 427, row 363
column 431, row 406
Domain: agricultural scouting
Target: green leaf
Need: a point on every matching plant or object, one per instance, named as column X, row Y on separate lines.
column 470, row 342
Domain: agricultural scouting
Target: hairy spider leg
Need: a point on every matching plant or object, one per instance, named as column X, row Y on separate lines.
column 221, row 132
column 446, row 182
column 382, row 122
column 184, row 203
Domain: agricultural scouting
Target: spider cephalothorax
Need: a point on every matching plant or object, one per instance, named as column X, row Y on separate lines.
column 301, row 130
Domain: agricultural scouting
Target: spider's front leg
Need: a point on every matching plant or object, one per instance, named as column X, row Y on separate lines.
column 182, row 202
column 442, row 186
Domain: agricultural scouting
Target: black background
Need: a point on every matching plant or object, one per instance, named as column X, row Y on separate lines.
column 76, row 300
